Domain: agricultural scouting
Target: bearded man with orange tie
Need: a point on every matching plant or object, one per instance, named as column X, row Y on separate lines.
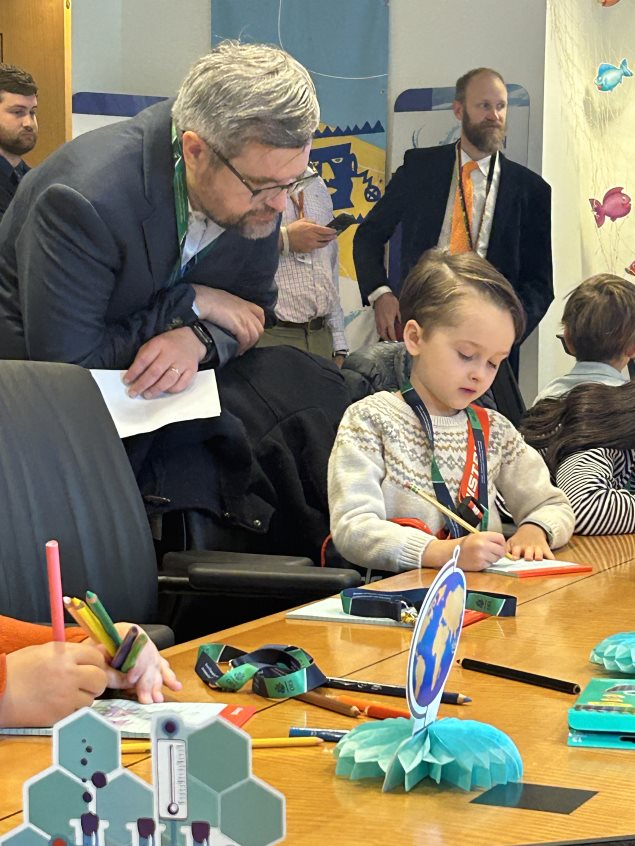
column 463, row 196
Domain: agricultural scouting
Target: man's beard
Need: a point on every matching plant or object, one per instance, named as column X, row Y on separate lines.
column 17, row 145
column 250, row 225
column 485, row 136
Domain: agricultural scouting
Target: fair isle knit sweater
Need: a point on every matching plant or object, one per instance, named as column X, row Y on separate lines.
column 380, row 444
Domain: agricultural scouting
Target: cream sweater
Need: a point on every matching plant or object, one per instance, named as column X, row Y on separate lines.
column 380, row 444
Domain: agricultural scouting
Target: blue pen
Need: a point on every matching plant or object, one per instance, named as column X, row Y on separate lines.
column 331, row 735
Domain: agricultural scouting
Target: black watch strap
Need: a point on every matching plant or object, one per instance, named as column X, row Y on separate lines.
column 204, row 335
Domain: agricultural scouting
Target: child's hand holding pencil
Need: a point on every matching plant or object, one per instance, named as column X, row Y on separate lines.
column 147, row 672
column 133, row 661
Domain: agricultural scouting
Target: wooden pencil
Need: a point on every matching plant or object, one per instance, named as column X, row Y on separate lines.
column 440, row 507
column 328, row 702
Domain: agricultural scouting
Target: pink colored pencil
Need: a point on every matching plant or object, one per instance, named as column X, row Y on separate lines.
column 55, row 590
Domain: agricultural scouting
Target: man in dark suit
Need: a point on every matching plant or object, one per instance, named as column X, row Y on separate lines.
column 18, row 128
column 462, row 197
column 151, row 245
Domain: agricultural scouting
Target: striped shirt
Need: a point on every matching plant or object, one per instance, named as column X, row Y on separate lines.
column 598, row 484
column 308, row 283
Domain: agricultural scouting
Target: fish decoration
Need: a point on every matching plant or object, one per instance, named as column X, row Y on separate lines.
column 614, row 205
column 608, row 2
column 631, row 268
column 609, row 76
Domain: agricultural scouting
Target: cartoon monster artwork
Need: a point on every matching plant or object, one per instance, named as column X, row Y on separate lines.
column 609, row 76
column 630, row 269
column 615, row 204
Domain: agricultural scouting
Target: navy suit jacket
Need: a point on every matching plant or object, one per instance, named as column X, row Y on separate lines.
column 89, row 243
column 417, row 195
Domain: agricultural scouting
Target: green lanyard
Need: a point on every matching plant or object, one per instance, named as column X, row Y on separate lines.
column 182, row 211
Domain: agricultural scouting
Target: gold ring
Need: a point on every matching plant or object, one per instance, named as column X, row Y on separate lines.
column 176, row 370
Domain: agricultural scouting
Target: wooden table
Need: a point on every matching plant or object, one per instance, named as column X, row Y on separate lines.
column 558, row 621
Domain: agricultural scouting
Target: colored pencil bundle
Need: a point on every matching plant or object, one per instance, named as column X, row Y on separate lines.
column 93, row 618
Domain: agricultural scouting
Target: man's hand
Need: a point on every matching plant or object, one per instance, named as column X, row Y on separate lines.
column 387, row 317
column 306, row 236
column 166, row 363
column 242, row 319
column 50, row 681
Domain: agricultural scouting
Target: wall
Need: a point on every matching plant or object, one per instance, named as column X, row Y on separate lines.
column 137, row 46
column 587, row 150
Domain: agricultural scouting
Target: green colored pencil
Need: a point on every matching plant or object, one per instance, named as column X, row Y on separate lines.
column 136, row 648
column 94, row 603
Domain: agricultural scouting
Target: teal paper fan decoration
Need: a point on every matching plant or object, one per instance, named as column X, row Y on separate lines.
column 404, row 751
column 464, row 753
column 616, row 653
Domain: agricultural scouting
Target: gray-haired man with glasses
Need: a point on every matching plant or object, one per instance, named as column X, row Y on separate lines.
column 151, row 245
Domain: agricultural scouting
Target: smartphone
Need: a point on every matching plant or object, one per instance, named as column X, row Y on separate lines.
column 341, row 222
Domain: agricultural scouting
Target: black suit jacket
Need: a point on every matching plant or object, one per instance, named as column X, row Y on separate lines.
column 416, row 197
column 88, row 245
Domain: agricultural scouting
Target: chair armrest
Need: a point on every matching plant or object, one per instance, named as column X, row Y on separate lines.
column 296, row 583
column 178, row 563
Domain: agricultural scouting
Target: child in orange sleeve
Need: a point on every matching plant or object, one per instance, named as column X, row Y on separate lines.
column 42, row 681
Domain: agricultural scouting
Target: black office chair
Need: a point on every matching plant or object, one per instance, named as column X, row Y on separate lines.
column 64, row 474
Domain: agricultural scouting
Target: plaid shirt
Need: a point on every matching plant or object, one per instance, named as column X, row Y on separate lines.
column 308, row 283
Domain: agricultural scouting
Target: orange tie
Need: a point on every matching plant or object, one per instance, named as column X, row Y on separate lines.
column 459, row 240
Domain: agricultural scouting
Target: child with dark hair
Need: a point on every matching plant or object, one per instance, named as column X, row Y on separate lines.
column 461, row 318
column 599, row 330
column 587, row 438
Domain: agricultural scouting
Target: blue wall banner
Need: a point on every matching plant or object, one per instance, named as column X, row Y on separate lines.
column 344, row 46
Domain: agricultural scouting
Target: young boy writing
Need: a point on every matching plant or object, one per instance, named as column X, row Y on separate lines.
column 461, row 318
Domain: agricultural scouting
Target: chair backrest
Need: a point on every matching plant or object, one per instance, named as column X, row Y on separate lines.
column 64, row 474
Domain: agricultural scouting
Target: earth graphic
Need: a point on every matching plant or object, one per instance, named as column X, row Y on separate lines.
column 438, row 639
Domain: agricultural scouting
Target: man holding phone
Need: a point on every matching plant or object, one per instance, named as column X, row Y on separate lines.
column 309, row 313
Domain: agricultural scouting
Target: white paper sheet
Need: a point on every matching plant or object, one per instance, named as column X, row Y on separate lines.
column 133, row 416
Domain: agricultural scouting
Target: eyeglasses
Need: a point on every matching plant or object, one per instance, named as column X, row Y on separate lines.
column 560, row 337
column 271, row 191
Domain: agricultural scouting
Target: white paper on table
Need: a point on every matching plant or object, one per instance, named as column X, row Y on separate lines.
column 507, row 567
column 133, row 416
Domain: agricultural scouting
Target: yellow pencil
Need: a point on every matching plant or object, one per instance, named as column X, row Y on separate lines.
column 269, row 742
column 85, row 618
column 131, row 747
column 440, row 507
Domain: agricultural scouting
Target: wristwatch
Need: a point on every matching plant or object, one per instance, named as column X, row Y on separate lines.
column 204, row 336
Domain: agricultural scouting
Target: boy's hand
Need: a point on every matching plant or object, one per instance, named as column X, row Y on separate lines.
column 50, row 681
column 477, row 551
column 481, row 550
column 530, row 542
column 148, row 675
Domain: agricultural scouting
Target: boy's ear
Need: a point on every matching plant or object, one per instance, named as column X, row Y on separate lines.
column 412, row 337
column 630, row 351
column 567, row 341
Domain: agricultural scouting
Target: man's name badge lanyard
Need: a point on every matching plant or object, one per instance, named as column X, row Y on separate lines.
column 182, row 211
column 466, row 220
column 473, row 488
